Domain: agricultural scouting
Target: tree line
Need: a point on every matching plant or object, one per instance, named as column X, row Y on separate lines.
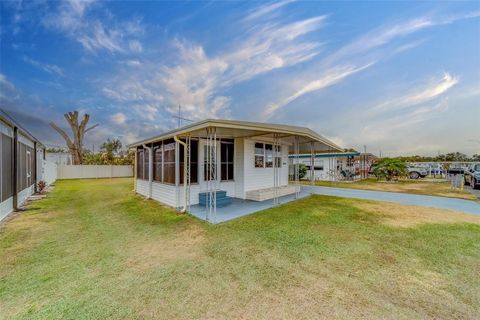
column 448, row 157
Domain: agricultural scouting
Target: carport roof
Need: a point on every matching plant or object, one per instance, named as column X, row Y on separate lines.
column 234, row 127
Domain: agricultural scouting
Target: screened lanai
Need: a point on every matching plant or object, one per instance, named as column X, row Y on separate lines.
column 208, row 168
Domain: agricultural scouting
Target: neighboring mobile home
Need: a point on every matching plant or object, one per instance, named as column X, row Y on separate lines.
column 222, row 160
column 329, row 166
column 20, row 164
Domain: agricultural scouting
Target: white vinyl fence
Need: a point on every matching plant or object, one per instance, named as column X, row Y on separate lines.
column 93, row 171
column 49, row 172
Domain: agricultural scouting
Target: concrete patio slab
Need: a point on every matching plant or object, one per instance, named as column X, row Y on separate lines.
column 240, row 208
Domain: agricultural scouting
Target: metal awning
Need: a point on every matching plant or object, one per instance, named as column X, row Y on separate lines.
column 245, row 129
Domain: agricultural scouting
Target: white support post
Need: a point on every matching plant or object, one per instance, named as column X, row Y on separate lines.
column 312, row 163
column 297, row 167
column 276, row 178
column 212, row 174
column 150, row 170
column 135, row 171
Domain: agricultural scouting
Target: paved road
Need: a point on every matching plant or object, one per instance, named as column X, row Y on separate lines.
column 466, row 206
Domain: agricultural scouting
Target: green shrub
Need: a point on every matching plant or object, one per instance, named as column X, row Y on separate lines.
column 390, row 169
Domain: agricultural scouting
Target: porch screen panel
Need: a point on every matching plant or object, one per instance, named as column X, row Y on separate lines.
column 193, row 161
column 157, row 162
column 7, row 167
column 146, row 157
column 140, row 164
column 226, row 158
column 169, row 163
column 22, row 166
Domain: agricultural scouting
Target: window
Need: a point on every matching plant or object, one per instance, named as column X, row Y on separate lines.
column 29, row 168
column 226, row 160
column 268, row 156
column 157, row 162
column 259, row 155
column 193, row 162
column 264, row 156
column 169, row 163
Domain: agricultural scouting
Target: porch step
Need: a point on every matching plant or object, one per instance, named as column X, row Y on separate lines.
column 222, row 199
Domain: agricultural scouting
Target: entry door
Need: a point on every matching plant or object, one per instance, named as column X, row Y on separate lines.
column 29, row 168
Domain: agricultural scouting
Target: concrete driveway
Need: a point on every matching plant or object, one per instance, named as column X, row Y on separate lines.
column 466, row 206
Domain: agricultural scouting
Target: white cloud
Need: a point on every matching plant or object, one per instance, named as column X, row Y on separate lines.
column 5, row 83
column 267, row 9
column 329, row 78
column 427, row 93
column 134, row 91
column 119, row 118
column 94, row 34
column 366, row 47
column 386, row 34
column 196, row 80
column 384, row 128
column 101, row 38
column 50, row 68
column 132, row 63
column 135, row 46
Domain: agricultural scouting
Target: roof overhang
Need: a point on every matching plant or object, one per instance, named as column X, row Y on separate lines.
column 244, row 129
column 5, row 118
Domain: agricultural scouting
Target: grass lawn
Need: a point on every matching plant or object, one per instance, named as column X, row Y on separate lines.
column 94, row 250
column 441, row 189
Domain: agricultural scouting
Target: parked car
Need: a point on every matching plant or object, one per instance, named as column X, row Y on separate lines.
column 415, row 172
column 472, row 176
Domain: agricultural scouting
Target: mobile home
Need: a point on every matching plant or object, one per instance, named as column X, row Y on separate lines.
column 20, row 164
column 213, row 162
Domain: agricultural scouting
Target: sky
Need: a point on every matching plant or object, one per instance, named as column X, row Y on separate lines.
column 400, row 78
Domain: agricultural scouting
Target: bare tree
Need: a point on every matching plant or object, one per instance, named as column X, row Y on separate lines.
column 79, row 130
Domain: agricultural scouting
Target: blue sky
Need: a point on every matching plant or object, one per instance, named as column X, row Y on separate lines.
column 400, row 77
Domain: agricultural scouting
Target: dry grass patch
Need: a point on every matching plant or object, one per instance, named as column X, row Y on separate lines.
column 403, row 215
column 148, row 254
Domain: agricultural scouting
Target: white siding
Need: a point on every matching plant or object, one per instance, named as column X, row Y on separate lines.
column 164, row 193
column 142, row 187
column 24, row 194
column 262, row 178
column 6, row 207
column 238, row 171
